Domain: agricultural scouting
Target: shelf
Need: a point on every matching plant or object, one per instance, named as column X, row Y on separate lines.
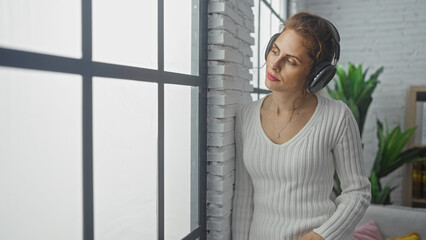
column 419, row 200
column 411, row 122
column 419, row 145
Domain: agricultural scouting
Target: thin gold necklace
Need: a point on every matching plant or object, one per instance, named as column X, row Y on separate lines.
column 277, row 133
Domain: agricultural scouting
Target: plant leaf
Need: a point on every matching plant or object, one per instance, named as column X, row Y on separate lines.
column 375, row 187
column 379, row 155
column 354, row 108
column 365, row 73
column 341, row 81
column 407, row 156
column 398, row 144
column 390, row 140
column 376, row 74
column 383, row 195
column 357, row 82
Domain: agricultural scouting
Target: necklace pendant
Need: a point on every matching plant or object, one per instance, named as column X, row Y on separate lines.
column 278, row 135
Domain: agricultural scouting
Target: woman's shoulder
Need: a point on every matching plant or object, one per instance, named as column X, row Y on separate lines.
column 338, row 115
column 246, row 109
column 335, row 110
column 336, row 106
column 332, row 102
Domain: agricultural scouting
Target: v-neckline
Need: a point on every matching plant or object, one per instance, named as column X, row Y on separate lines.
column 299, row 134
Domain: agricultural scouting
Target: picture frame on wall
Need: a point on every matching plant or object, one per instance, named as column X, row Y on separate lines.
column 415, row 176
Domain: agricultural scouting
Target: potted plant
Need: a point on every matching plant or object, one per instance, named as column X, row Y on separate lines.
column 356, row 92
column 353, row 89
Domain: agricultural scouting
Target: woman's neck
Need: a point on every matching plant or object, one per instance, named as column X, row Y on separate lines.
column 283, row 103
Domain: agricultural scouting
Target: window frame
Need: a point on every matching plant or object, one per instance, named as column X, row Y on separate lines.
column 87, row 68
column 257, row 90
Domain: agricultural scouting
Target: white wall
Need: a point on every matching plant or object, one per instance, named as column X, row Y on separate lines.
column 381, row 33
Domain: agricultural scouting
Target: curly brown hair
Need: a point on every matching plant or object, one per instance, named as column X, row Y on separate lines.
column 317, row 34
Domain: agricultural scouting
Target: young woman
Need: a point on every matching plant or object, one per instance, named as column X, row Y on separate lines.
column 289, row 144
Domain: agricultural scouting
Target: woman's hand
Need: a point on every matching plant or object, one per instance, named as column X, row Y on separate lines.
column 311, row 236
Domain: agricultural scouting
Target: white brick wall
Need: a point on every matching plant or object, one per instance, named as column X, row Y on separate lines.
column 381, row 33
column 230, row 24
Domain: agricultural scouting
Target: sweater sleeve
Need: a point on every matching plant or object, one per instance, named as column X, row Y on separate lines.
column 242, row 212
column 356, row 193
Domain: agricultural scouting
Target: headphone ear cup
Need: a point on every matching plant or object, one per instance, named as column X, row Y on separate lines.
column 271, row 44
column 321, row 76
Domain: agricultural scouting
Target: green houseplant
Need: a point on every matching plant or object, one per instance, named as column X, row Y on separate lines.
column 390, row 157
column 353, row 89
column 356, row 92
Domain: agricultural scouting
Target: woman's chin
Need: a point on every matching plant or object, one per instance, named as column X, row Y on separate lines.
column 272, row 85
column 281, row 88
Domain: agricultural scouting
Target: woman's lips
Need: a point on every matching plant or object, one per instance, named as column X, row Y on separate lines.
column 272, row 78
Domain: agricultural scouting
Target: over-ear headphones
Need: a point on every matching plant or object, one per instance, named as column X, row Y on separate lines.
column 324, row 71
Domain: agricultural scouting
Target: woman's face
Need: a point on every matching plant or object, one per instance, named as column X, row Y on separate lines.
column 288, row 63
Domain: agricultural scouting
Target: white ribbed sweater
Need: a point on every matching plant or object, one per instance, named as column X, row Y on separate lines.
column 283, row 191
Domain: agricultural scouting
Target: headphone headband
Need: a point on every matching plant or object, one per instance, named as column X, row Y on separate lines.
column 336, row 40
column 334, row 34
column 322, row 73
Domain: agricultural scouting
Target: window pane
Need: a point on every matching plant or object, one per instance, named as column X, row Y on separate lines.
column 275, row 24
column 46, row 26
column 125, row 159
column 40, row 155
column 125, row 32
column 270, row 25
column 283, row 9
column 254, row 96
column 181, row 36
column 265, row 36
column 279, row 7
column 275, row 4
column 262, row 95
column 180, row 160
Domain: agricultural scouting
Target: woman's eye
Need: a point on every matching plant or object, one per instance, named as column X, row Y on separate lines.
column 290, row 61
column 274, row 52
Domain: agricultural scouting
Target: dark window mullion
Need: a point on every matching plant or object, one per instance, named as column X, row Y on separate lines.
column 160, row 29
column 51, row 63
column 88, row 218
column 149, row 75
column 194, row 234
column 259, row 90
column 258, row 47
column 287, row 12
column 273, row 10
column 202, row 161
column 160, row 203
column 88, row 211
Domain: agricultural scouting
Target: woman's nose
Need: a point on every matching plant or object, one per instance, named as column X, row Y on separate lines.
column 276, row 65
